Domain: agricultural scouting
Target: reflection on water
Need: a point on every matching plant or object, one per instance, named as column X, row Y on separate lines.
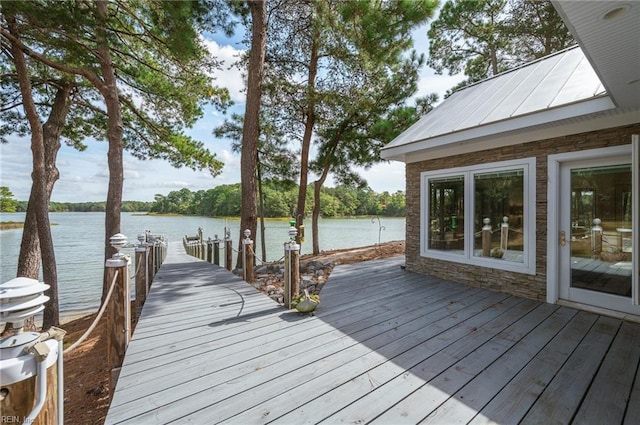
column 78, row 240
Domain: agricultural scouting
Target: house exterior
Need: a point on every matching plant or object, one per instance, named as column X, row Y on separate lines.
column 528, row 182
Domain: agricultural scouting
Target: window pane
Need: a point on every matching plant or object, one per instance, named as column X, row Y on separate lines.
column 498, row 219
column 446, row 214
column 601, row 229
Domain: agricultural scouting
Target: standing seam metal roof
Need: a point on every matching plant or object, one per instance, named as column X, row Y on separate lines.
column 560, row 79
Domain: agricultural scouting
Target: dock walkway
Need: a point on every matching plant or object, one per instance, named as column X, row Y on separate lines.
column 386, row 346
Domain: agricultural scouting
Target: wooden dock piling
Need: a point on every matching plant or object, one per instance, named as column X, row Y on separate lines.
column 209, row 251
column 118, row 315
column 247, row 257
column 141, row 278
column 228, row 254
column 291, row 272
column 20, row 399
column 149, row 267
column 216, row 251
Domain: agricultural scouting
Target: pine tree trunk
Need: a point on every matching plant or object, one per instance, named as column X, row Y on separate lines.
column 308, row 132
column 251, row 129
column 29, row 258
column 114, row 136
column 263, row 243
column 317, row 187
column 39, row 186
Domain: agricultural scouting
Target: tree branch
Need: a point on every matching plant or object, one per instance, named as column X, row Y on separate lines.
column 90, row 76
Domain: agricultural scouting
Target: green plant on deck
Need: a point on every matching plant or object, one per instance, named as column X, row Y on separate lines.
column 301, row 297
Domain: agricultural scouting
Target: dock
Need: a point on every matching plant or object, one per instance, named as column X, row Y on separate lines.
column 386, row 346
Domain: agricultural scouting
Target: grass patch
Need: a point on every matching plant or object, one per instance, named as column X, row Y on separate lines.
column 8, row 225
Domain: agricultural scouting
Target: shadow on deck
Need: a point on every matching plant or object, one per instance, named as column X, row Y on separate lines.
column 385, row 346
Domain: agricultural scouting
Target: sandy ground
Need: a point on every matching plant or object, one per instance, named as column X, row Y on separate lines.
column 86, row 376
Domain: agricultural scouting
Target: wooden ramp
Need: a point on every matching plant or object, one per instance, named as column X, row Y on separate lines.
column 386, row 346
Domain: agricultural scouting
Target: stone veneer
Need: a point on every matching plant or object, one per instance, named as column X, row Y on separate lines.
column 530, row 286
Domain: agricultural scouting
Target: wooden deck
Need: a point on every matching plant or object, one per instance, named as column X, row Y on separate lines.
column 386, row 346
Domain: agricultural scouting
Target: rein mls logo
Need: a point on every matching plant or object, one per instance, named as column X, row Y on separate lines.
column 11, row 419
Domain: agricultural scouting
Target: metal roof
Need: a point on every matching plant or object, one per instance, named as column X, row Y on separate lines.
column 609, row 34
column 552, row 82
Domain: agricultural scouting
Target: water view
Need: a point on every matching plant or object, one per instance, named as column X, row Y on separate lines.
column 78, row 239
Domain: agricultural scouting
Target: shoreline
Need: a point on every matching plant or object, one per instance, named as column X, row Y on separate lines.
column 70, row 316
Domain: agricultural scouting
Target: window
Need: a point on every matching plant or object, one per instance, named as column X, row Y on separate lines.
column 498, row 218
column 482, row 215
column 446, row 213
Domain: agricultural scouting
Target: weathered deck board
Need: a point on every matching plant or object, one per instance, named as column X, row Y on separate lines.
column 633, row 409
column 385, row 345
column 367, row 371
column 386, row 395
column 562, row 397
column 515, row 399
column 419, row 404
column 607, row 398
column 276, row 374
column 269, row 355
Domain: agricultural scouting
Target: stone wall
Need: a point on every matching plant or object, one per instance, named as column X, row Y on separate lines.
column 530, row 286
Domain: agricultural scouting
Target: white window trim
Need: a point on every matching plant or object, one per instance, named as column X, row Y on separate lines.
column 528, row 266
column 635, row 167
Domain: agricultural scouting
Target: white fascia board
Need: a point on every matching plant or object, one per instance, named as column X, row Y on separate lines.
column 536, row 126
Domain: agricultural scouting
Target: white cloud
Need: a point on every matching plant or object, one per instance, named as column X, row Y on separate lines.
column 230, row 76
column 430, row 82
column 176, row 184
column 385, row 176
column 131, row 174
column 229, row 157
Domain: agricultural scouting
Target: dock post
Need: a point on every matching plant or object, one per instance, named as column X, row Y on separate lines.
column 228, row 250
column 216, row 251
column 209, row 251
column 150, row 256
column 158, row 260
column 596, row 238
column 31, row 365
column 486, row 237
column 119, row 310
column 504, row 233
column 247, row 257
column 291, row 266
column 141, row 275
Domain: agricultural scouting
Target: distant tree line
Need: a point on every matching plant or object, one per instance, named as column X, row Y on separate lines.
column 127, row 206
column 280, row 201
column 224, row 201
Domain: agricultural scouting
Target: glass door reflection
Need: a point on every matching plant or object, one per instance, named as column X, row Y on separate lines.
column 601, row 229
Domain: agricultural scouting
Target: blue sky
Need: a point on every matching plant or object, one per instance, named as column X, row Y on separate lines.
column 84, row 175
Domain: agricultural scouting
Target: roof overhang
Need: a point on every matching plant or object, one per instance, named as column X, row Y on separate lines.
column 608, row 32
column 591, row 115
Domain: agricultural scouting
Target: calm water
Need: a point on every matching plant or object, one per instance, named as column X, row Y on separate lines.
column 78, row 240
